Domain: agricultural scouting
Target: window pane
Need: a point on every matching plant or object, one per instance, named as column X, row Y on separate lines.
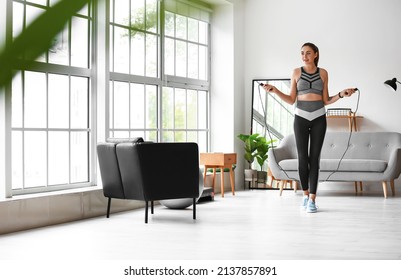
column 192, row 109
column 137, row 53
column 121, row 50
column 58, row 52
column 203, row 32
column 193, row 30
column 202, row 111
column 137, row 106
column 181, row 59
column 203, row 62
column 111, row 48
column 121, row 105
column 84, row 11
column 79, row 157
column 151, row 15
column 40, row 2
column 192, row 136
column 151, row 106
column 168, row 136
column 151, row 55
column 18, row 18
column 169, row 57
column 193, row 58
column 180, row 109
column 35, row 99
column 151, row 136
column 79, row 42
column 31, row 14
column 17, row 163
column 79, row 102
column 17, row 100
column 121, row 14
column 35, row 158
column 169, row 24
column 121, row 134
column 58, row 101
column 180, row 136
column 168, row 108
column 180, row 27
column 138, row 14
column 58, row 157
column 202, row 141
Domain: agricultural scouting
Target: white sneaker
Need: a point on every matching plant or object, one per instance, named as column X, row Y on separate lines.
column 304, row 202
column 311, row 207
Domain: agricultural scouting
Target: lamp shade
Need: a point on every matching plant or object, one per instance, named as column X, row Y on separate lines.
column 391, row 84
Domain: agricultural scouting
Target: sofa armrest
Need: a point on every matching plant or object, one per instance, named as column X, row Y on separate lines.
column 274, row 157
column 393, row 169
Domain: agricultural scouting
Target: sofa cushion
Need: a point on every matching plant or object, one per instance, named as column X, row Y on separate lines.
column 347, row 165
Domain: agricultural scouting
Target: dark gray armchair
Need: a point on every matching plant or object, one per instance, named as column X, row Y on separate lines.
column 149, row 171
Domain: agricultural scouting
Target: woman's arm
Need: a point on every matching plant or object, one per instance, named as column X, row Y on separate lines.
column 288, row 98
column 331, row 99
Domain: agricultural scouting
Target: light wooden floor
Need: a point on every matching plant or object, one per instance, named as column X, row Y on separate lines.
column 256, row 224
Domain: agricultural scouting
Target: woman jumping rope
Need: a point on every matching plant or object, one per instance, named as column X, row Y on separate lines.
column 309, row 90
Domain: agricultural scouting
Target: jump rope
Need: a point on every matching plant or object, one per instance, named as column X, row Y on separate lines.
column 271, row 138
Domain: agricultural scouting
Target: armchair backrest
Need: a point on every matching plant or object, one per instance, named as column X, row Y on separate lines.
column 156, row 171
column 110, row 171
column 109, row 168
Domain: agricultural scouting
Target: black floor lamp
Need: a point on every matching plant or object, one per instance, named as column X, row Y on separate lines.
column 392, row 83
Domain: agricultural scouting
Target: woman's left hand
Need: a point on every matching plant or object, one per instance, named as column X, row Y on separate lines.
column 348, row 92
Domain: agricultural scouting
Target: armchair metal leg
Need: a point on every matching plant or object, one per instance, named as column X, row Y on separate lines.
column 151, row 207
column 194, row 209
column 108, row 207
column 146, row 211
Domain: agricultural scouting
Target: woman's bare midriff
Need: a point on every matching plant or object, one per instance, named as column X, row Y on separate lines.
column 309, row 97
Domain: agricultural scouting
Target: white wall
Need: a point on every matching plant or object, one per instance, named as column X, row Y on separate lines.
column 359, row 47
column 227, row 72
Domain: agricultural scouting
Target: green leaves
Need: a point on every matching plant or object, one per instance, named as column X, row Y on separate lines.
column 37, row 37
column 256, row 146
column 250, row 145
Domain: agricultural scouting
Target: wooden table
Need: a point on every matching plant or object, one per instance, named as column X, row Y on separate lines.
column 219, row 160
column 351, row 120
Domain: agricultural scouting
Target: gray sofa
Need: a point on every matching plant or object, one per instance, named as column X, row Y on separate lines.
column 371, row 156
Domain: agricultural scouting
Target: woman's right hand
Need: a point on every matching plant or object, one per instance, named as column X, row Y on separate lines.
column 268, row 88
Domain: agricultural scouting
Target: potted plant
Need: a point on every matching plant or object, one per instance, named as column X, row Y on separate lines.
column 250, row 145
column 262, row 148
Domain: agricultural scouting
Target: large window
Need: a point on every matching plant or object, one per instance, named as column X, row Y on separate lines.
column 51, row 106
column 159, row 54
column 154, row 83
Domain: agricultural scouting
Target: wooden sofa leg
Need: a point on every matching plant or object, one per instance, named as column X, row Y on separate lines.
column 392, row 187
column 360, row 186
column 384, row 183
column 108, row 207
column 282, row 183
column 356, row 186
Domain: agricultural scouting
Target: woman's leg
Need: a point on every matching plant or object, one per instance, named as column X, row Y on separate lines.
column 301, row 131
column 317, row 134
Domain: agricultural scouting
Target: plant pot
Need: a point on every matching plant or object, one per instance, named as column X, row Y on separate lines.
column 262, row 177
column 251, row 177
column 250, row 174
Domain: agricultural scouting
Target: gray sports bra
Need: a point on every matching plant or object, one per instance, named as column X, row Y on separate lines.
column 310, row 83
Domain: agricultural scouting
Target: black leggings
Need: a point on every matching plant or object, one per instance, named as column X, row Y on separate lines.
column 309, row 158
